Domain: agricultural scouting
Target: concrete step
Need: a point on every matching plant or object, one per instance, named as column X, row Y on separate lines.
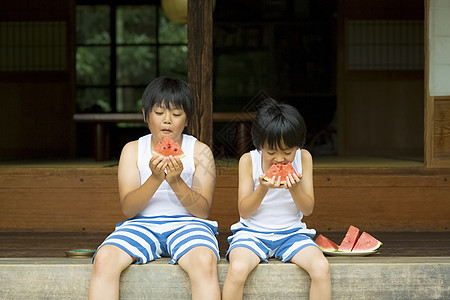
column 352, row 278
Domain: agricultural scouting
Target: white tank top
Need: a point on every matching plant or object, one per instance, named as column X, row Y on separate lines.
column 164, row 202
column 277, row 211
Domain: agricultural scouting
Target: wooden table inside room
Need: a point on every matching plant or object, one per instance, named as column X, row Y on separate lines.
column 101, row 121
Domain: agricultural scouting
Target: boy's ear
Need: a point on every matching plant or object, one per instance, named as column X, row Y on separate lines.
column 143, row 114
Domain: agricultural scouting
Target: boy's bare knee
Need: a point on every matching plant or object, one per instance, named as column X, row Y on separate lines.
column 108, row 259
column 207, row 260
column 238, row 270
column 321, row 269
column 202, row 263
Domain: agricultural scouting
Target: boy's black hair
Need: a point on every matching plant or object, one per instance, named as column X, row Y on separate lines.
column 169, row 93
column 278, row 125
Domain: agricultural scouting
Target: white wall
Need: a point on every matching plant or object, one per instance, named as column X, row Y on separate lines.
column 439, row 41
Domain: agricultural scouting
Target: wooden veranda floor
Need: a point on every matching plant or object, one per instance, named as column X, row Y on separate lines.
column 54, row 244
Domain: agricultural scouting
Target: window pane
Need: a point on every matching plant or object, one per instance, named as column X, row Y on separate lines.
column 129, row 99
column 93, row 100
column 136, row 65
column 93, row 66
column 173, row 61
column 136, row 24
column 93, row 24
column 170, row 32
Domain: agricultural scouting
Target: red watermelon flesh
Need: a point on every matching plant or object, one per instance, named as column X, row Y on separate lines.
column 350, row 239
column 366, row 242
column 167, row 146
column 325, row 244
column 277, row 170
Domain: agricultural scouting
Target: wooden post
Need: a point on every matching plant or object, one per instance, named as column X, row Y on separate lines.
column 200, row 29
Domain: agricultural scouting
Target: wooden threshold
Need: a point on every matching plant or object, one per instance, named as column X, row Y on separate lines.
column 54, row 244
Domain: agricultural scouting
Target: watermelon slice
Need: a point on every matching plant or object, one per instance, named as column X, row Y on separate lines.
column 350, row 239
column 276, row 170
column 366, row 242
column 167, row 146
column 325, row 244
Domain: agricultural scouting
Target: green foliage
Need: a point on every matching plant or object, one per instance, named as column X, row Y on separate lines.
column 136, row 59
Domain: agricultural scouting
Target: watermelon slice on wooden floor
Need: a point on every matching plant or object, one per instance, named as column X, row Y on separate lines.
column 366, row 242
column 326, row 244
column 350, row 239
column 277, row 170
column 167, row 146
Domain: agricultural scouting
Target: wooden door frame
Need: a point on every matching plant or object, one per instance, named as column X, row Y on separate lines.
column 200, row 72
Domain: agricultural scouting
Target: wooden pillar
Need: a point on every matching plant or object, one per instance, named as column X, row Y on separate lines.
column 200, row 30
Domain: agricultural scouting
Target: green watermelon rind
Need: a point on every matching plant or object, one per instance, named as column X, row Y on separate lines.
column 317, row 241
column 328, row 250
column 268, row 179
column 368, row 250
column 373, row 248
column 363, row 251
column 156, row 153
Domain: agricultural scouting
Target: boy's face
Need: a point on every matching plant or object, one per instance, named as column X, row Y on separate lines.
column 279, row 155
column 163, row 121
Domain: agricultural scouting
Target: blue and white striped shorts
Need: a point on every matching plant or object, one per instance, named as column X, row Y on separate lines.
column 282, row 245
column 148, row 238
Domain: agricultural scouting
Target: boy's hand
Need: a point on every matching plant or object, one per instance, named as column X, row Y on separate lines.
column 292, row 180
column 273, row 183
column 158, row 164
column 174, row 167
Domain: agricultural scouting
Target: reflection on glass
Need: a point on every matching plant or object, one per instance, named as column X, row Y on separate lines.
column 135, row 64
column 173, row 61
column 136, row 24
column 93, row 24
column 93, row 100
column 93, row 65
column 146, row 45
column 170, row 32
column 129, row 99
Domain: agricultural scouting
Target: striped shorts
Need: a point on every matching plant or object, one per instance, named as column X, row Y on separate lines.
column 282, row 245
column 148, row 238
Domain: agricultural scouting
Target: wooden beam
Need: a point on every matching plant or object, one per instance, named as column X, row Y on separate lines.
column 200, row 29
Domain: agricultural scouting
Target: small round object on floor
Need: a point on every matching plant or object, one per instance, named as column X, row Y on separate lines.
column 80, row 253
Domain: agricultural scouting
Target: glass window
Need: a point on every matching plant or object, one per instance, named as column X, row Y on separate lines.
column 136, row 24
column 115, row 63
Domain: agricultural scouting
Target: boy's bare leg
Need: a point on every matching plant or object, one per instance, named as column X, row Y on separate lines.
column 312, row 260
column 242, row 262
column 109, row 263
column 201, row 265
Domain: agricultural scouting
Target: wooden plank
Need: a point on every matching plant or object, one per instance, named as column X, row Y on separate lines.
column 86, row 199
column 379, row 178
column 59, row 210
column 442, row 130
column 54, row 244
column 381, row 209
column 225, row 209
column 200, row 29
